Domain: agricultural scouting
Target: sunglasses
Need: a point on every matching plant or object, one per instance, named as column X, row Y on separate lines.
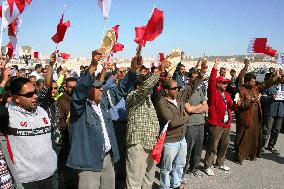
column 28, row 95
column 2, row 58
column 174, row 88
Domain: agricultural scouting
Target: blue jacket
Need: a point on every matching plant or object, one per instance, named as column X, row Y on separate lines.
column 179, row 80
column 272, row 108
column 86, row 134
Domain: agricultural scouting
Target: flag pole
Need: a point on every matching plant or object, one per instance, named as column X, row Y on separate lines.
column 103, row 32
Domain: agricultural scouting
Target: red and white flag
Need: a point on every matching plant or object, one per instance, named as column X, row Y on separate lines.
column 105, row 7
column 270, row 51
column 61, row 30
column 152, row 30
column 158, row 148
column 13, row 30
column 257, row 45
column 11, row 9
column 117, row 46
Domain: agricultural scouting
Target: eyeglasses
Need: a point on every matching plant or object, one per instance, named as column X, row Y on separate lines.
column 174, row 88
column 28, row 95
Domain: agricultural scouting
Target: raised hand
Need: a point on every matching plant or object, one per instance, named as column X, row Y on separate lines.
column 136, row 63
column 6, row 74
column 217, row 62
column 96, row 56
column 52, row 59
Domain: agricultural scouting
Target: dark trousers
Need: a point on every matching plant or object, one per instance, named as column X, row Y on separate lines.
column 41, row 184
column 194, row 138
column 219, row 138
column 120, row 128
column 270, row 130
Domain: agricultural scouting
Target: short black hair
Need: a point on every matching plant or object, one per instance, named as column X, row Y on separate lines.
column 38, row 66
column 166, row 83
column 233, row 71
column 140, row 80
column 143, row 67
column 69, row 79
column 153, row 68
column 17, row 84
column 32, row 76
column 249, row 76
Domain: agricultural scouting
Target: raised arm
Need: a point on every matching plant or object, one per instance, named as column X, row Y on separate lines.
column 243, row 71
column 81, row 92
column 49, row 73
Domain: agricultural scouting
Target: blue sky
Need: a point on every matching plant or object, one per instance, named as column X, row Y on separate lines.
column 216, row 27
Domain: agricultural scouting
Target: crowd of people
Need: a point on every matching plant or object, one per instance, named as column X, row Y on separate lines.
column 96, row 129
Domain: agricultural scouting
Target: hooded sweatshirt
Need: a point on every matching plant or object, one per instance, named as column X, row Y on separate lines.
column 30, row 141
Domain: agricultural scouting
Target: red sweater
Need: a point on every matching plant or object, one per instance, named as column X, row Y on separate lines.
column 216, row 103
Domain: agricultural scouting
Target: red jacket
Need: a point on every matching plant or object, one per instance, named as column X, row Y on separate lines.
column 216, row 103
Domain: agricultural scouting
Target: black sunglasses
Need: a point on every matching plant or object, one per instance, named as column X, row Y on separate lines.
column 28, row 95
column 174, row 88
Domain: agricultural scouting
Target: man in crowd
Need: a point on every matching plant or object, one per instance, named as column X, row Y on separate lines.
column 29, row 126
column 170, row 108
column 222, row 72
column 232, row 87
column 180, row 76
column 93, row 143
column 37, row 72
column 273, row 113
column 142, row 132
column 195, row 128
column 66, row 174
column 143, row 70
column 219, row 120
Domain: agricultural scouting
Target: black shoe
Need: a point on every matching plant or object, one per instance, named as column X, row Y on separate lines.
column 272, row 149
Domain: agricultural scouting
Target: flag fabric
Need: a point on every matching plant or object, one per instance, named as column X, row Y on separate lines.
column 161, row 56
column 13, row 30
column 280, row 59
column 36, row 54
column 10, row 50
column 61, row 30
column 105, row 7
column 156, row 153
column 65, row 56
column 152, row 30
column 270, row 51
column 11, row 9
column 257, row 45
column 117, row 47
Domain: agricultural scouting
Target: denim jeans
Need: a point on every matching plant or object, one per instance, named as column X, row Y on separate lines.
column 173, row 162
